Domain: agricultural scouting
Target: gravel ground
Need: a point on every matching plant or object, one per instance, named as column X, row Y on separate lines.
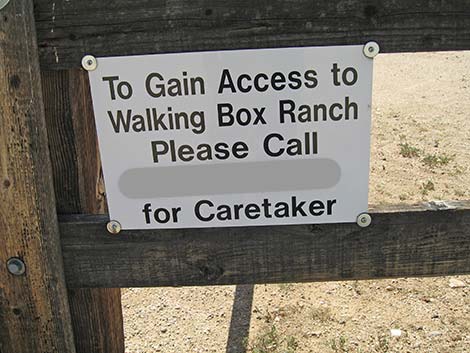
column 420, row 151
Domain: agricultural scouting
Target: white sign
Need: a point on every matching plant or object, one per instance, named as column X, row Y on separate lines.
column 232, row 138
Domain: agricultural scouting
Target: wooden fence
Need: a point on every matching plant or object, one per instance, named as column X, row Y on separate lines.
column 67, row 297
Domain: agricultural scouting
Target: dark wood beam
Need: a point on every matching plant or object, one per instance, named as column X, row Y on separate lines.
column 69, row 29
column 402, row 241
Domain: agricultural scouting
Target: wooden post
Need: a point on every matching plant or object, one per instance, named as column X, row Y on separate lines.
column 96, row 312
column 34, row 311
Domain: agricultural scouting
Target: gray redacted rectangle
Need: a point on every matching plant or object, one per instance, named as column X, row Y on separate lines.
column 232, row 178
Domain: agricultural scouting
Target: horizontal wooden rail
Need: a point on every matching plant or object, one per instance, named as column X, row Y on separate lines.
column 402, row 241
column 68, row 29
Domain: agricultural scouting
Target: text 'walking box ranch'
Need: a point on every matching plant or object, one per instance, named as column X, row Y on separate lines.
column 231, row 138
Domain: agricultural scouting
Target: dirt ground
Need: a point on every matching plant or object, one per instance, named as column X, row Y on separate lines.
column 420, row 151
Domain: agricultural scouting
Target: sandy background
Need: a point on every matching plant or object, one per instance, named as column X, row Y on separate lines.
column 420, row 151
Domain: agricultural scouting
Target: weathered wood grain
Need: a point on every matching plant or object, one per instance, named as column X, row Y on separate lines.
column 61, row 138
column 34, row 311
column 406, row 241
column 69, row 29
column 96, row 312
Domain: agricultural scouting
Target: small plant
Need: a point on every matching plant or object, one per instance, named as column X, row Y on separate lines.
column 408, row 151
column 267, row 342
column 403, row 197
column 434, row 160
column 321, row 314
column 382, row 345
column 459, row 193
column 427, row 187
column 355, row 286
column 268, row 317
column 339, row 345
column 291, row 344
column 271, row 342
column 285, row 288
column 457, row 170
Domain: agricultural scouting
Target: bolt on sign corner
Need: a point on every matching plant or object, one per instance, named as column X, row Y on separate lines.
column 235, row 138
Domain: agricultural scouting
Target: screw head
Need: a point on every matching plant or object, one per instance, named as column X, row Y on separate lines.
column 113, row 227
column 371, row 49
column 3, row 3
column 364, row 220
column 89, row 63
column 16, row 266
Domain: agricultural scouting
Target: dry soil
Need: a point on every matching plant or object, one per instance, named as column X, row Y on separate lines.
column 420, row 151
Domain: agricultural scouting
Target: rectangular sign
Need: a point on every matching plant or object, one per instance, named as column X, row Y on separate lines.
column 235, row 138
